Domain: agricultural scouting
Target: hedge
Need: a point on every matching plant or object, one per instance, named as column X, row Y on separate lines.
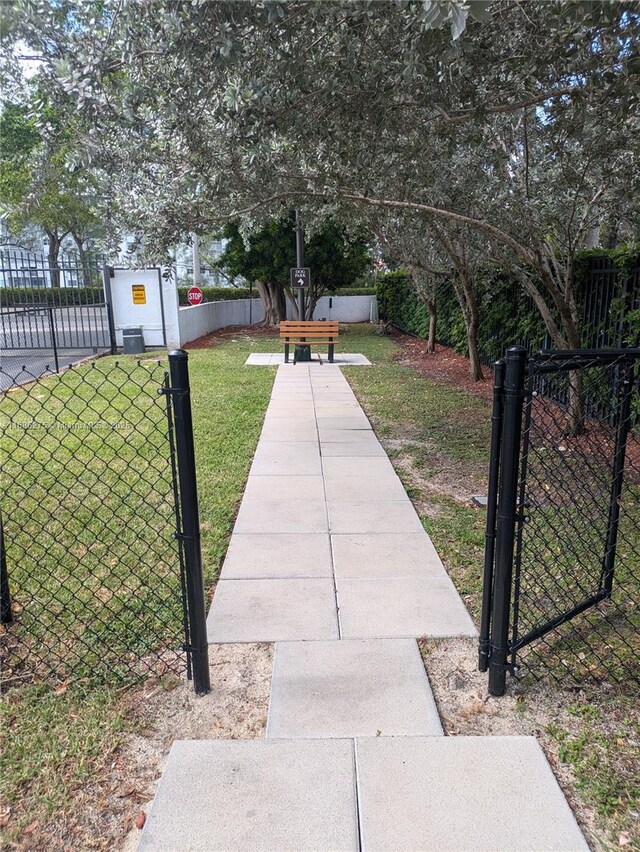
column 508, row 316
column 219, row 294
column 51, row 295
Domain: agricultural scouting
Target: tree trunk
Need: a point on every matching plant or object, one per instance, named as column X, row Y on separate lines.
column 53, row 255
column 271, row 317
column 469, row 307
column 82, row 257
column 433, row 318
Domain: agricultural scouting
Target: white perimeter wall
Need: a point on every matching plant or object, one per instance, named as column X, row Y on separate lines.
column 344, row 308
column 198, row 320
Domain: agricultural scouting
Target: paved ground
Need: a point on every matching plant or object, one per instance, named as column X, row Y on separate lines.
column 329, row 560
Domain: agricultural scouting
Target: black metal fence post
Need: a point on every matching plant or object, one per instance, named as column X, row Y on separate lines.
column 492, row 502
column 107, row 272
column 514, row 384
column 54, row 341
column 6, row 616
column 624, row 418
column 181, row 398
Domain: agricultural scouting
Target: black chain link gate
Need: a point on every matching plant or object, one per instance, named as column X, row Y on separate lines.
column 562, row 559
column 97, row 474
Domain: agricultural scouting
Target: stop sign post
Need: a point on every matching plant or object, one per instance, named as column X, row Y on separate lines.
column 194, row 296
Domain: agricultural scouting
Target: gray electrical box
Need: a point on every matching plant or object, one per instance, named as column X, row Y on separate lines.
column 132, row 341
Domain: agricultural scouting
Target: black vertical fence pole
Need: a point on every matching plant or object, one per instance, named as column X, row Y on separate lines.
column 54, row 342
column 107, row 271
column 492, row 502
column 514, row 382
column 185, row 452
column 6, row 616
column 624, row 418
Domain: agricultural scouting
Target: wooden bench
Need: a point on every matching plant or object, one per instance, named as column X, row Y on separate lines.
column 308, row 331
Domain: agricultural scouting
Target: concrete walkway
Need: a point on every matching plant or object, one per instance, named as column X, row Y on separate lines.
column 329, row 560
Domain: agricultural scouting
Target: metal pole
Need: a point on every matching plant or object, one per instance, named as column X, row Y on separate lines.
column 54, row 342
column 185, row 452
column 622, row 432
column 514, row 383
column 107, row 272
column 300, row 260
column 6, row 616
column 492, row 502
column 197, row 277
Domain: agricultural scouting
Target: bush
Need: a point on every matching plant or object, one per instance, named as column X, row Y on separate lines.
column 51, row 295
column 218, row 294
column 604, row 279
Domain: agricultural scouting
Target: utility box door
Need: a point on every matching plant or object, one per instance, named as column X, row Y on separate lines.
column 137, row 297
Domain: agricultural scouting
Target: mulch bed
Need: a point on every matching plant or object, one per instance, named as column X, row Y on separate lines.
column 443, row 366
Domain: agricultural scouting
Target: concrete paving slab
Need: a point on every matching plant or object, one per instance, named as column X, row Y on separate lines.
column 357, row 466
column 320, row 360
column 351, row 448
column 431, row 793
column 357, row 422
column 287, row 449
column 282, row 466
column 288, row 431
column 277, row 555
column 255, row 796
column 284, row 488
column 273, row 610
column 285, row 516
column 348, row 436
column 385, row 555
column 402, row 606
column 286, row 458
column 375, row 687
column 397, row 516
column 386, row 486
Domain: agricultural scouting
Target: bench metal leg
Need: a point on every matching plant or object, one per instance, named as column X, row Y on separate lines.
column 286, row 353
column 331, row 345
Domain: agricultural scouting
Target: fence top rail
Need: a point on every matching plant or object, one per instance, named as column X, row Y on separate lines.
column 587, row 354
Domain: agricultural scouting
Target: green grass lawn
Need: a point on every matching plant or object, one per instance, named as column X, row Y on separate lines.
column 427, row 427
column 104, row 496
column 53, row 741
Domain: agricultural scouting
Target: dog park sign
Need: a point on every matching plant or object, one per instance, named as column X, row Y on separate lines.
column 300, row 277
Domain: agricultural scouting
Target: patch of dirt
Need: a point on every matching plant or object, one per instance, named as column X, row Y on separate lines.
column 236, row 708
column 108, row 811
column 444, row 365
column 229, row 332
column 467, row 709
column 444, row 477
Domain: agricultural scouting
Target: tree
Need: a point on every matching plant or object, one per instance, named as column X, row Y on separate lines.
column 494, row 126
column 38, row 188
column 266, row 255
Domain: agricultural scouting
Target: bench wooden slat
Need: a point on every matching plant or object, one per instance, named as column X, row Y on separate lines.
column 308, row 331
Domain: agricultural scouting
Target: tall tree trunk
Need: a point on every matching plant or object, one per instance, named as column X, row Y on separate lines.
column 53, row 258
column 469, row 307
column 433, row 318
column 82, row 257
column 273, row 301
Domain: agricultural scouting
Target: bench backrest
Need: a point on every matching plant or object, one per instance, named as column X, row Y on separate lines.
column 311, row 328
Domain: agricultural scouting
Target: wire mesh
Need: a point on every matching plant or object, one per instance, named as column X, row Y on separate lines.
column 50, row 317
column 89, row 519
column 576, row 595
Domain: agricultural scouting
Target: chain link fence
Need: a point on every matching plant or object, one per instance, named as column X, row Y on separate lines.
column 563, row 531
column 93, row 580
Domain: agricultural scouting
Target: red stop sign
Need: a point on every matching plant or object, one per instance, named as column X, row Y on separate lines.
column 194, row 296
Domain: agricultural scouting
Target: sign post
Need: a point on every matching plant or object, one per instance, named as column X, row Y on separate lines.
column 195, row 296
